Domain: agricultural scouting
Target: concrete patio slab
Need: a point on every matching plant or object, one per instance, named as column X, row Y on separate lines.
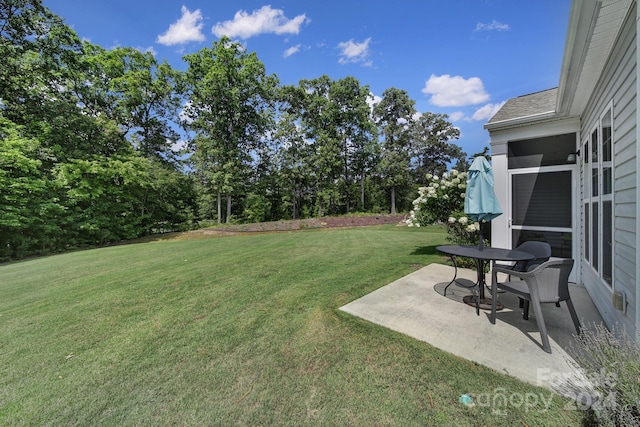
column 415, row 305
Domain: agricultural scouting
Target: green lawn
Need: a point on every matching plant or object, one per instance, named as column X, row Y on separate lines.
column 241, row 330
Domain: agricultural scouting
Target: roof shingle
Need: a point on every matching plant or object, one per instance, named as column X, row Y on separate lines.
column 527, row 105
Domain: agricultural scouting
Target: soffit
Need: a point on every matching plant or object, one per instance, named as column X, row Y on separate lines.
column 593, row 30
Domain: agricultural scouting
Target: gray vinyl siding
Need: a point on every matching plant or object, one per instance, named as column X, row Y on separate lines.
column 618, row 84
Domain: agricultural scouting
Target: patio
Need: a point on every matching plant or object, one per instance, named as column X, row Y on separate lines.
column 415, row 305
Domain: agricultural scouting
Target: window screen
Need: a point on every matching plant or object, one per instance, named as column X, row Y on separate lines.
column 542, row 200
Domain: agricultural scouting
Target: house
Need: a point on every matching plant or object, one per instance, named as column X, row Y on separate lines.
column 565, row 160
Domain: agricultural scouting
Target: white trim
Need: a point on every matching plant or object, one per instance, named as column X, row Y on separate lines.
column 538, row 169
column 637, row 123
column 576, row 232
column 521, row 121
column 582, row 20
column 609, row 197
column 535, row 228
column 587, row 197
column 500, row 138
column 574, row 229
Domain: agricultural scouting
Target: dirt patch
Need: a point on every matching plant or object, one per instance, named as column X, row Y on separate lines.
column 301, row 224
column 358, row 221
column 280, row 226
column 288, row 225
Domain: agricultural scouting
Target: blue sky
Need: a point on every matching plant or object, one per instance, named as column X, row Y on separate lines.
column 463, row 58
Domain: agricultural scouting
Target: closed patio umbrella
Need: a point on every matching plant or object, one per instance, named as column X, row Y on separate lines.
column 480, row 201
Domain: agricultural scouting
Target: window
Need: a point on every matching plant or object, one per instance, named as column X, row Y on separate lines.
column 597, row 173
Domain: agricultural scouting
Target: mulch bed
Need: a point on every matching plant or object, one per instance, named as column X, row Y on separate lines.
column 301, row 224
column 278, row 226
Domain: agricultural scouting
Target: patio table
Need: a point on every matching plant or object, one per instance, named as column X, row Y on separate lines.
column 481, row 256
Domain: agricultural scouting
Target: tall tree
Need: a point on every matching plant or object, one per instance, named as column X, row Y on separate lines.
column 142, row 97
column 137, row 92
column 24, row 195
column 365, row 162
column 334, row 119
column 69, row 174
column 35, row 45
column 394, row 116
column 230, row 108
column 431, row 148
column 355, row 131
column 318, row 123
column 294, row 163
column 296, row 152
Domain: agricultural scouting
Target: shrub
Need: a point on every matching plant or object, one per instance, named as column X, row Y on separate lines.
column 439, row 199
column 609, row 360
column 442, row 201
column 257, row 208
column 461, row 230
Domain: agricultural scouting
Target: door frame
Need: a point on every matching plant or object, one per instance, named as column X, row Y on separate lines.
column 573, row 229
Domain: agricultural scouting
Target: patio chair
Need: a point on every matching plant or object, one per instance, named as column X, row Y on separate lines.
column 542, row 252
column 548, row 282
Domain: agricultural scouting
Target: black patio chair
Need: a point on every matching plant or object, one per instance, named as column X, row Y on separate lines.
column 548, row 282
column 542, row 253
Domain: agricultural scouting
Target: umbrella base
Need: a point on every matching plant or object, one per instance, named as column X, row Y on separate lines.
column 485, row 303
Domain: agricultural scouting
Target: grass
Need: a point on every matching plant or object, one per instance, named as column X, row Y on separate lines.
column 241, row 330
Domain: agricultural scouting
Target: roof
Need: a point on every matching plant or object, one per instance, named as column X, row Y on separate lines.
column 533, row 104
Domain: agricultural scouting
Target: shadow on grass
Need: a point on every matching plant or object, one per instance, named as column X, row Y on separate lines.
column 425, row 250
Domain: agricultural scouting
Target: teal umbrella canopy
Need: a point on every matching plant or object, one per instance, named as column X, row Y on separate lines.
column 480, row 201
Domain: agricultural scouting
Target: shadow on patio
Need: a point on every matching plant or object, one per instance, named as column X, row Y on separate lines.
column 415, row 305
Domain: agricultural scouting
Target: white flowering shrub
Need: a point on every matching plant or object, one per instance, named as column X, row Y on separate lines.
column 461, row 230
column 442, row 201
column 439, row 199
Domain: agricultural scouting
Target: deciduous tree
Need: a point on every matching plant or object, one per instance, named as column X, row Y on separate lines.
column 394, row 116
column 230, row 108
column 431, row 148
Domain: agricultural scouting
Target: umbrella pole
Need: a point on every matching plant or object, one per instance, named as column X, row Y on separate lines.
column 480, row 230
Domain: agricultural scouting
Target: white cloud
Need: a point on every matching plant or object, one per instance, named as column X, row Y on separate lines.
column 186, row 29
column 262, row 21
column 291, row 51
column 184, row 112
column 487, row 111
column 179, row 146
column 352, row 52
column 492, row 26
column 456, row 91
column 454, row 117
column 373, row 100
column 149, row 49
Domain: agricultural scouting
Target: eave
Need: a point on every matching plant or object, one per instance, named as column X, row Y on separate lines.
column 594, row 27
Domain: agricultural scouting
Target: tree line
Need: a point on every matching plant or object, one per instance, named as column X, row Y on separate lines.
column 101, row 145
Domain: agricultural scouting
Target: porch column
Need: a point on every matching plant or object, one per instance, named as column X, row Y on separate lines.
column 500, row 232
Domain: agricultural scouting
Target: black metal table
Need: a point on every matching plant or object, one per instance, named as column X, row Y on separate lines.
column 481, row 256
